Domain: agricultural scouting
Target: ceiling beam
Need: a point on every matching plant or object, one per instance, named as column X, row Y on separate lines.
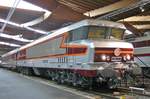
column 133, row 29
column 46, row 4
column 109, row 8
column 10, row 13
column 143, row 21
column 22, row 26
column 137, row 22
column 142, row 26
column 37, row 20
column 137, row 18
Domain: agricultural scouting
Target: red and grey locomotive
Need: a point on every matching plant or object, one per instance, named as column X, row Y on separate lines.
column 85, row 53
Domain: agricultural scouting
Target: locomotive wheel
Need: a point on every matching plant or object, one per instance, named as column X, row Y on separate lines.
column 85, row 82
column 26, row 71
column 53, row 76
column 21, row 70
column 112, row 83
column 18, row 69
column 75, row 79
column 63, row 77
column 58, row 78
column 62, row 81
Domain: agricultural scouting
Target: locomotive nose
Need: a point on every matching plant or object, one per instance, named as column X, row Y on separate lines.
column 107, row 73
column 112, row 51
column 113, row 54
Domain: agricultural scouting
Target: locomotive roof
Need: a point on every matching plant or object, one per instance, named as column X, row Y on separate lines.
column 86, row 22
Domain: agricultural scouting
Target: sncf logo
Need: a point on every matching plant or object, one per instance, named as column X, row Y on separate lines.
column 117, row 51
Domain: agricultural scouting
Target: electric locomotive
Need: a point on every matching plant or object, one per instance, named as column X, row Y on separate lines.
column 85, row 53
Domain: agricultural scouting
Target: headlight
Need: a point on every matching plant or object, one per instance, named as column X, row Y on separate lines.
column 128, row 57
column 124, row 58
column 103, row 57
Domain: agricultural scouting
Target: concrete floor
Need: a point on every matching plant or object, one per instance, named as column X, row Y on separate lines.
column 14, row 86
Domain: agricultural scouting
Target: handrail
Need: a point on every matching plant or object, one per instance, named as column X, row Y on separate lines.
column 141, row 61
column 145, row 74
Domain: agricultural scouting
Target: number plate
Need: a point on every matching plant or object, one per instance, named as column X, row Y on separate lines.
column 116, row 59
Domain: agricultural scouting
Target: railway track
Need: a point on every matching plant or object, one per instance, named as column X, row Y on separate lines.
column 135, row 90
column 122, row 92
column 98, row 93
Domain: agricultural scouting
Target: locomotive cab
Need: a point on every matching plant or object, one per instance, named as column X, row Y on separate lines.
column 107, row 52
column 105, row 41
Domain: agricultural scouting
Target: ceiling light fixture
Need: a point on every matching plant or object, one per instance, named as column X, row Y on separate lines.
column 36, row 30
column 142, row 9
column 22, row 5
column 22, row 26
column 10, row 13
column 26, row 5
column 17, row 38
column 9, row 44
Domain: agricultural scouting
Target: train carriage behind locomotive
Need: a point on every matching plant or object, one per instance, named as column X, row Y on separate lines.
column 90, row 49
